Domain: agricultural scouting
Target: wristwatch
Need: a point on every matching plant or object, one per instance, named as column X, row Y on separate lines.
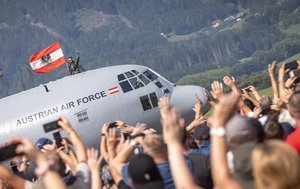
column 217, row 131
column 132, row 143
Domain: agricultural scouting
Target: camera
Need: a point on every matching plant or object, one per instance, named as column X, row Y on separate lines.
column 51, row 126
column 291, row 65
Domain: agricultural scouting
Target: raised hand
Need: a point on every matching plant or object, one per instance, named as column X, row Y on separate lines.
column 229, row 81
column 217, row 89
column 225, row 109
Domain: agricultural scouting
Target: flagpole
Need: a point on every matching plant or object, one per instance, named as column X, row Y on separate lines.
column 30, row 73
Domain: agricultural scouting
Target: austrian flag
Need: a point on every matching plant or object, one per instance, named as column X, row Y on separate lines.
column 47, row 59
column 113, row 90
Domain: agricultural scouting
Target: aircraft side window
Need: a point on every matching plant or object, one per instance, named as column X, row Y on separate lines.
column 154, row 99
column 125, row 86
column 149, row 101
column 129, row 74
column 136, row 83
column 150, row 75
column 144, row 79
column 121, row 77
column 145, row 102
column 135, row 72
column 158, row 84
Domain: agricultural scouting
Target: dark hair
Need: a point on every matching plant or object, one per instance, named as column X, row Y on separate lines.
column 258, row 129
column 249, row 104
column 273, row 130
column 273, row 115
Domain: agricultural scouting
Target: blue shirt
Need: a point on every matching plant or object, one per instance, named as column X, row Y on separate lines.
column 164, row 170
column 203, row 149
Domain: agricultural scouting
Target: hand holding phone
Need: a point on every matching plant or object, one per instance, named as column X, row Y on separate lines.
column 9, row 151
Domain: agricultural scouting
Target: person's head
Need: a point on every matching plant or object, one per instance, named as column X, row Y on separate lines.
column 243, row 165
column 153, row 145
column 56, row 162
column 70, row 59
column 41, row 142
column 274, row 130
column 293, row 106
column 265, row 103
column 258, row 130
column 144, row 173
column 249, row 104
column 275, row 165
column 238, row 131
column 201, row 132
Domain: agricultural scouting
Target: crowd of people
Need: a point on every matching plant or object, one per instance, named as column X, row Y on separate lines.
column 250, row 141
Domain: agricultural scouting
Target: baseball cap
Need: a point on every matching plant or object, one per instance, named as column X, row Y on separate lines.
column 144, row 173
column 201, row 132
column 42, row 142
column 239, row 130
column 242, row 165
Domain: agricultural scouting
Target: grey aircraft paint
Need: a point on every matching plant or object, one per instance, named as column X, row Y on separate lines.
column 92, row 98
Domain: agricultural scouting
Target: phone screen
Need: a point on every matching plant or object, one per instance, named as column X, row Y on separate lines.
column 51, row 126
column 58, row 139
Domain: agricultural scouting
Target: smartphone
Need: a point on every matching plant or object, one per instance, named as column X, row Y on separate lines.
column 291, row 65
column 51, row 126
column 247, row 89
column 137, row 135
column 58, row 139
column 112, row 125
column 8, row 152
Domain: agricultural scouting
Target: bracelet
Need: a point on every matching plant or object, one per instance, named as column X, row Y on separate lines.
column 217, row 132
column 280, row 78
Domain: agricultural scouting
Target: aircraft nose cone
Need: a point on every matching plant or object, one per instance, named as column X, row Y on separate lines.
column 183, row 98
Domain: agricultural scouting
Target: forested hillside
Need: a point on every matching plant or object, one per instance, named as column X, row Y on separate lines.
column 174, row 37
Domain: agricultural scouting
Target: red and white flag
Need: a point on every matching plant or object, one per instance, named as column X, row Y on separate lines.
column 47, row 59
column 113, row 90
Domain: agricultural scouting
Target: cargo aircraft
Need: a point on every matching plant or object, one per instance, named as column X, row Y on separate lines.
column 91, row 98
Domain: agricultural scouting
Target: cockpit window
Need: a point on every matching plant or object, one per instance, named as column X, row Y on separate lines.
column 136, row 83
column 125, row 86
column 121, row 77
column 129, row 74
column 158, row 84
column 150, row 75
column 135, row 72
column 144, row 79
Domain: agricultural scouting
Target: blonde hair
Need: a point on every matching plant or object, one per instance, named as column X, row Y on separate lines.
column 153, row 145
column 275, row 165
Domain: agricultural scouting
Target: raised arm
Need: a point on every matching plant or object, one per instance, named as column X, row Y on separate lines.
column 225, row 109
column 77, row 58
column 94, row 165
column 172, row 130
column 271, row 70
column 103, row 142
column 199, row 119
column 80, row 149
